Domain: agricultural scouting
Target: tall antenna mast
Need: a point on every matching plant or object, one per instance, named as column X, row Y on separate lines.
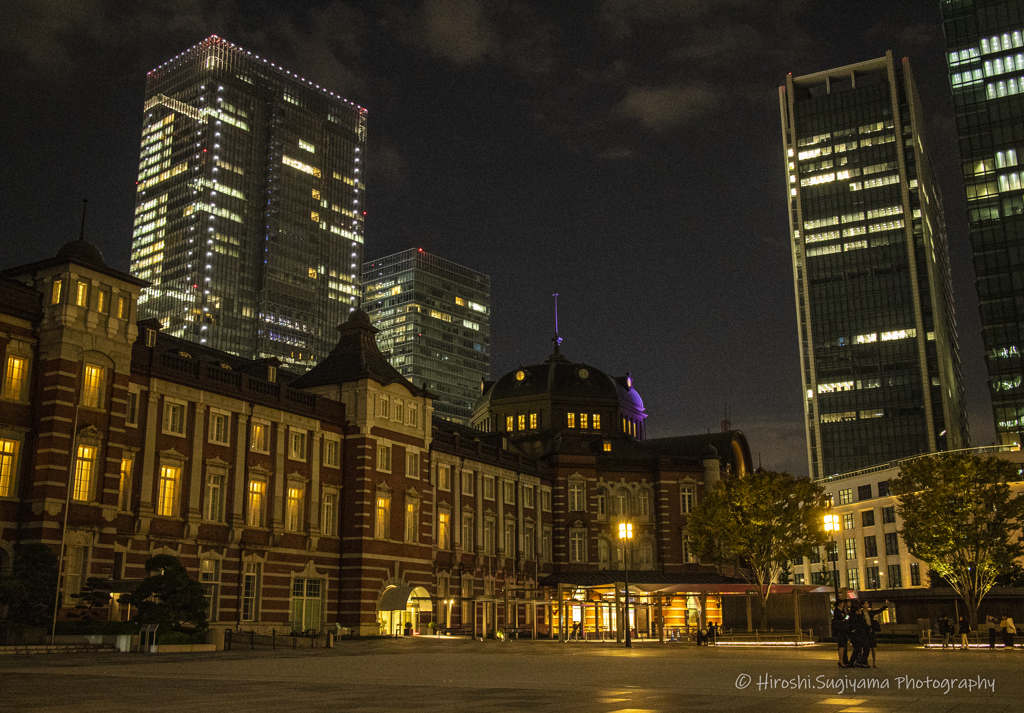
column 81, row 232
column 557, row 340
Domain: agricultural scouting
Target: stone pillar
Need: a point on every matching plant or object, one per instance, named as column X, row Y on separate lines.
column 196, row 466
column 238, row 492
column 149, row 463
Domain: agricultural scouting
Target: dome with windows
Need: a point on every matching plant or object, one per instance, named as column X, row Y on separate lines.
column 560, row 396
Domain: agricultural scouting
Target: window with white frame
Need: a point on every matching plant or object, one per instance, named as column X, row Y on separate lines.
column 213, row 496
column 92, row 385
column 510, row 539
column 256, row 503
column 251, row 591
column 546, row 547
column 306, row 604
column 645, row 555
column 602, row 502
column 174, row 417
column 686, row 499
column 688, row 555
column 412, row 518
column 398, row 412
column 528, row 496
column 412, row 465
column 382, row 515
column 297, row 443
column 529, row 541
column 576, row 497
column 620, row 502
column 467, row 482
column 209, row 578
column 332, row 452
column 510, row 492
column 124, row 485
column 577, row 546
column 467, row 532
column 15, row 386
column 383, row 457
column 9, row 449
column 488, row 487
column 444, row 539
column 444, row 477
column 220, row 427
column 412, row 416
column 294, row 507
column 168, row 486
column 602, row 554
column 76, row 562
column 545, row 500
column 385, row 407
column 131, row 409
column 329, row 513
column 489, row 530
column 85, row 473
column 260, row 437
column 643, row 504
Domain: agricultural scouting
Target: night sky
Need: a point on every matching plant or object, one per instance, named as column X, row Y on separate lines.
column 626, row 154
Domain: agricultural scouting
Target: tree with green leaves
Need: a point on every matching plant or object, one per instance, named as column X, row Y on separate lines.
column 169, row 597
column 30, row 589
column 759, row 521
column 960, row 518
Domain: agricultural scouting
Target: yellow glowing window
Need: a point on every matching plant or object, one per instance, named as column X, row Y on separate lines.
column 92, row 385
column 167, row 490
column 293, row 516
column 104, row 302
column 55, row 294
column 583, row 420
column 522, row 422
column 122, row 308
column 14, row 377
column 316, row 194
column 254, row 513
column 312, row 273
column 596, row 420
column 314, row 216
column 82, row 296
column 460, row 302
column 508, row 423
column 607, row 447
column 533, row 420
column 8, row 461
column 124, row 488
column 85, row 468
column 571, row 420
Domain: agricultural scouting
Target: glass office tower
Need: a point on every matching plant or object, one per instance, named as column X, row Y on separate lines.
column 880, row 364
column 985, row 40
column 249, row 219
column 434, row 317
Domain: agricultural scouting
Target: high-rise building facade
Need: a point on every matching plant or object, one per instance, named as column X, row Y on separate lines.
column 249, row 217
column 435, row 325
column 879, row 356
column 985, row 55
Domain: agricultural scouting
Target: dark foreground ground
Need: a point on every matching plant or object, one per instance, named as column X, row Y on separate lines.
column 425, row 675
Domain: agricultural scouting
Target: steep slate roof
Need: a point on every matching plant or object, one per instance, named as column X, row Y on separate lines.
column 356, row 357
column 697, row 446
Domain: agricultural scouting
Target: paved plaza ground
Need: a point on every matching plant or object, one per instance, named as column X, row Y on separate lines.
column 426, row 674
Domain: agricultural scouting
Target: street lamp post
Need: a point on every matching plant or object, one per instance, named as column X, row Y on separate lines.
column 625, row 535
column 832, row 526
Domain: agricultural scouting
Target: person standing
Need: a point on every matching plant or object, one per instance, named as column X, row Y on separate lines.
column 712, row 634
column 873, row 628
column 945, row 631
column 965, row 629
column 1008, row 631
column 993, row 626
column 840, row 632
column 859, row 631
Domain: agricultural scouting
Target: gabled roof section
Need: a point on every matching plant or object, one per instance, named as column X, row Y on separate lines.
column 356, row 357
column 730, row 446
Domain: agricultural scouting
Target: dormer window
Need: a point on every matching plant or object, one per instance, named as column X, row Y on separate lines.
column 271, row 373
column 150, row 337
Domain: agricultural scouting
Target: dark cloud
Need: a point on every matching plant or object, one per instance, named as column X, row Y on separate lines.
column 663, row 109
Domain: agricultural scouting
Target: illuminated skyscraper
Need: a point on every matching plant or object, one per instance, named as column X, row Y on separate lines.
column 985, row 39
column 435, row 325
column 879, row 356
column 249, row 219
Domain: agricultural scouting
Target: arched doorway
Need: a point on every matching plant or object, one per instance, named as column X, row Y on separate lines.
column 400, row 608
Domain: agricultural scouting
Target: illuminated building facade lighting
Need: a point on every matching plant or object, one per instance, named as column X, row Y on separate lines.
column 248, row 220
column 878, row 344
